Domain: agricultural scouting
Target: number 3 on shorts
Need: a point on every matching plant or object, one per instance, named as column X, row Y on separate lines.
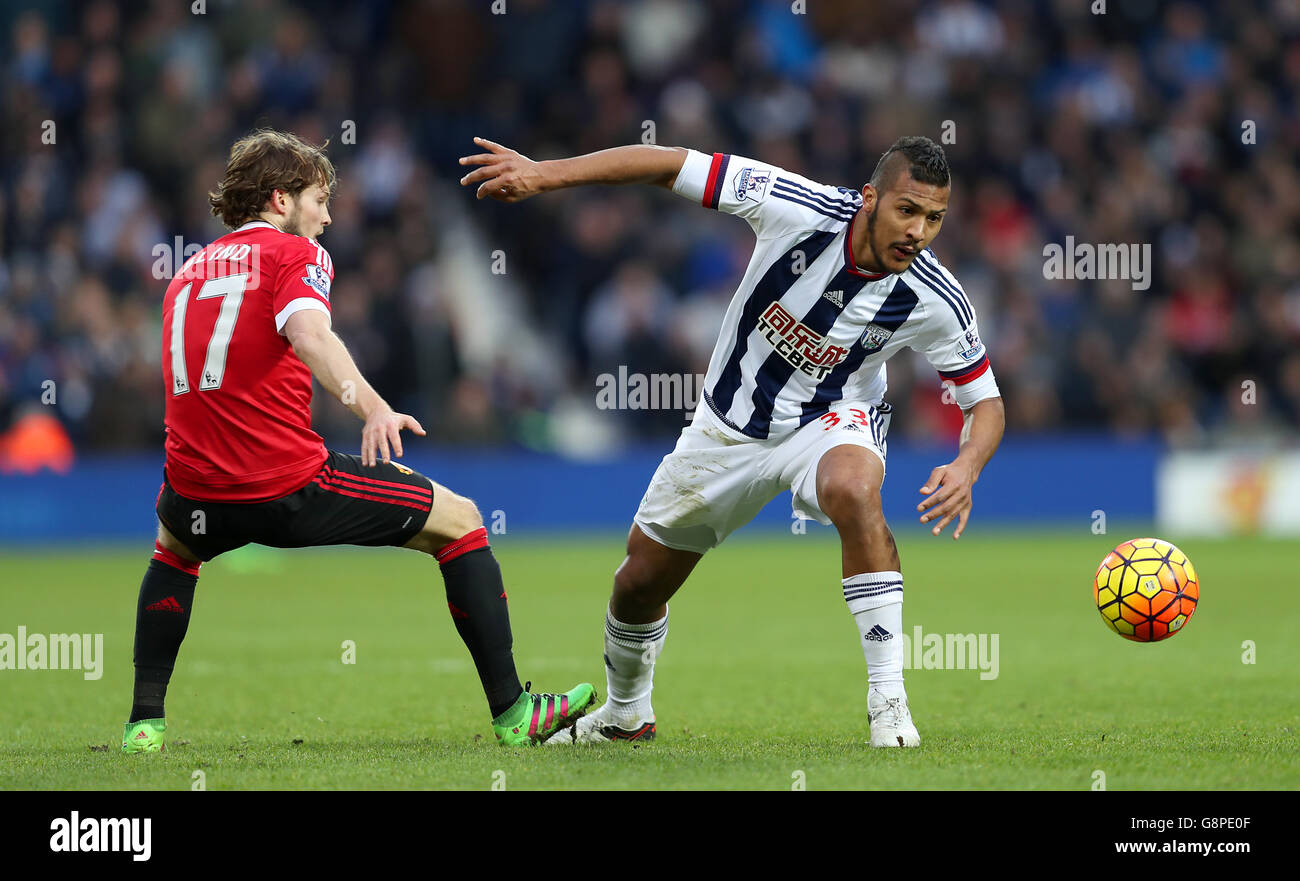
column 832, row 418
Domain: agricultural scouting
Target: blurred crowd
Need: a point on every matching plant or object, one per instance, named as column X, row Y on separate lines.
column 1171, row 124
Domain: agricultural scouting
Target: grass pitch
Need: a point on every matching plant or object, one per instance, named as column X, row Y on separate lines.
column 761, row 685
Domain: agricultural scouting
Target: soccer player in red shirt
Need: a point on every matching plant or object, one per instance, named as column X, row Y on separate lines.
column 246, row 325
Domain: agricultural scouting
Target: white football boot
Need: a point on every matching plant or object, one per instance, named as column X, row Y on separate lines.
column 601, row 727
column 891, row 721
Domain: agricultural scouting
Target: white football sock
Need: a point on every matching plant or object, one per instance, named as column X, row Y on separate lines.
column 630, row 654
column 876, row 601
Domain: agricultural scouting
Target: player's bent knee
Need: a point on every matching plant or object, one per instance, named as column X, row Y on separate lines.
column 850, row 501
column 465, row 517
column 848, row 484
column 451, row 517
column 173, row 544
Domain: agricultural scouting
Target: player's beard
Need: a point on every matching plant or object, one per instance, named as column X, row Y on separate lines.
column 293, row 219
column 871, row 238
column 871, row 241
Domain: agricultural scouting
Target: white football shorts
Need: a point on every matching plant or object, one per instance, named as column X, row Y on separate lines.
column 712, row 484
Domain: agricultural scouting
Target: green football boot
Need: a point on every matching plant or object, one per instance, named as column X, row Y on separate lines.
column 535, row 717
column 145, row 736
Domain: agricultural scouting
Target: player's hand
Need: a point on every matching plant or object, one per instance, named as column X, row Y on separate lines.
column 948, row 495
column 506, row 175
column 383, row 429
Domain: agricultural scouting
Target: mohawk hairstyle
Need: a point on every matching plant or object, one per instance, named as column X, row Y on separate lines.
column 922, row 157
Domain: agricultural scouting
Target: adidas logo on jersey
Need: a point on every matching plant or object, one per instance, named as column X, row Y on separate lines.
column 836, row 297
column 878, row 634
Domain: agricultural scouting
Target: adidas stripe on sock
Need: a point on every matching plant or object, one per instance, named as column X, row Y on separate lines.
column 630, row 654
column 876, row 601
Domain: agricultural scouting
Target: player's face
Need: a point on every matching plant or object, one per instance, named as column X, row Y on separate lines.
column 903, row 221
column 308, row 214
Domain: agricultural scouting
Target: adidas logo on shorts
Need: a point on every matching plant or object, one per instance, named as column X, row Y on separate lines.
column 878, row 634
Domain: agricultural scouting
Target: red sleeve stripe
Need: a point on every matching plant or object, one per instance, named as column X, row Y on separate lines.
column 471, row 541
column 961, row 377
column 717, row 177
column 162, row 555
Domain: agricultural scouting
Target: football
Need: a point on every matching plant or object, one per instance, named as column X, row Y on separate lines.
column 1146, row 589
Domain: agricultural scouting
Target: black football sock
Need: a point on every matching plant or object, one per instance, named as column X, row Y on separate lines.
column 476, row 598
column 162, row 616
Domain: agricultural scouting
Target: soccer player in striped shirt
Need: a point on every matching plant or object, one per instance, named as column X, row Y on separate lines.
column 839, row 281
column 246, row 326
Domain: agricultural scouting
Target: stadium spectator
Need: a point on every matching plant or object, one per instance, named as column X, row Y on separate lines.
column 1165, row 124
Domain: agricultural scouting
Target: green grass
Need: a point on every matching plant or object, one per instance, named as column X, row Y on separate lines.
column 761, row 676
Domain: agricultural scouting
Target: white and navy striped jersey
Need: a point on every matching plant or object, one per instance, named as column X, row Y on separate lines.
column 807, row 327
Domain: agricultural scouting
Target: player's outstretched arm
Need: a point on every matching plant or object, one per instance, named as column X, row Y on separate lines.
column 320, row 348
column 949, row 486
column 508, row 176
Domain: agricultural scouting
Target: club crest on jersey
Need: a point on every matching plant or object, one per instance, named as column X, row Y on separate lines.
column 973, row 344
column 875, row 337
column 318, row 280
column 752, row 182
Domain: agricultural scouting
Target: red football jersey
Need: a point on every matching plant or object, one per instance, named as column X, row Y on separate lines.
column 238, row 398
